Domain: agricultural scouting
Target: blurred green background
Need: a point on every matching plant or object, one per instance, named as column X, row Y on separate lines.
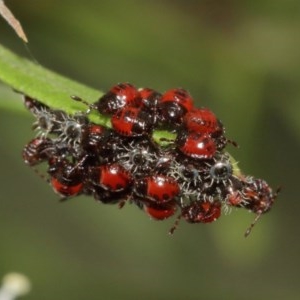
column 241, row 59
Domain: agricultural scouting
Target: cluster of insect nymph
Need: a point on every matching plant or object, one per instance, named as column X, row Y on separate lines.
column 190, row 175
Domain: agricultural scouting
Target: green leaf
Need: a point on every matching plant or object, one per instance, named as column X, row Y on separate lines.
column 163, row 137
column 48, row 87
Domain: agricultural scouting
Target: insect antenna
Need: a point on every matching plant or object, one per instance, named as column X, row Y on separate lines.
column 175, row 225
column 89, row 105
column 249, row 229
